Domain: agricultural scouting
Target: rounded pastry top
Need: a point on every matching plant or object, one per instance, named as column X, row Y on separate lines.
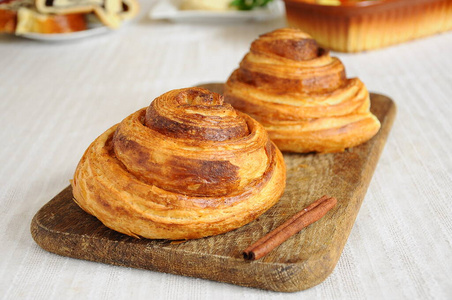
column 289, row 60
column 195, row 113
column 288, row 43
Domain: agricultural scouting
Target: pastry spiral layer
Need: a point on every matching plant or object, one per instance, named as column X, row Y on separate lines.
column 188, row 166
column 301, row 94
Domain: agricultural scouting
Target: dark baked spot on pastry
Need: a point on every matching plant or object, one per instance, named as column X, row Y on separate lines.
column 103, row 202
column 205, row 177
column 320, row 83
column 123, row 144
column 219, row 170
column 119, row 210
column 270, row 150
column 259, row 79
column 327, row 82
column 138, row 162
column 299, row 50
column 109, row 146
column 199, row 97
column 177, row 129
column 184, row 122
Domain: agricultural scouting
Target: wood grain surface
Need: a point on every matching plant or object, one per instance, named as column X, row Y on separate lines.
column 305, row 260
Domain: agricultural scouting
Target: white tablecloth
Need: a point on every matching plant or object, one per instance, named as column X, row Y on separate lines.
column 55, row 98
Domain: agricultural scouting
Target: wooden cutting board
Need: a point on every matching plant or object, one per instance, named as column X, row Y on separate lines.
column 303, row 261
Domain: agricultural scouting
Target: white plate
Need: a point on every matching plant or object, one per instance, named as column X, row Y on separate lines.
column 169, row 10
column 59, row 37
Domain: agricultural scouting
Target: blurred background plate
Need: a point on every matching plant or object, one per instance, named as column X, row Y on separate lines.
column 169, row 10
column 94, row 29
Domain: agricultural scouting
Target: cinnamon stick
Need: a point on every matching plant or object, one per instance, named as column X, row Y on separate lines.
column 302, row 219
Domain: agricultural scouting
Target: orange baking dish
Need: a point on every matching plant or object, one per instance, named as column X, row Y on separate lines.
column 357, row 26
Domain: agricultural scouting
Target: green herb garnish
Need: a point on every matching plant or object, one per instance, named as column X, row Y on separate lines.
column 249, row 4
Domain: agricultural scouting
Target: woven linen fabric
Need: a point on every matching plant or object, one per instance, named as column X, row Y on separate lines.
column 55, row 98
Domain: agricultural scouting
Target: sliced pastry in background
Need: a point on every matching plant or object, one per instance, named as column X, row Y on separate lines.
column 110, row 12
column 21, row 16
column 61, row 16
column 301, row 94
column 186, row 167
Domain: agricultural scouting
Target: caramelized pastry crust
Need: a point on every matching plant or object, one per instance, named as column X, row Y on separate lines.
column 301, row 94
column 188, row 166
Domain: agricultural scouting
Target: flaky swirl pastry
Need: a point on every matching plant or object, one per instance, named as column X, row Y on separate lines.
column 188, row 166
column 301, row 94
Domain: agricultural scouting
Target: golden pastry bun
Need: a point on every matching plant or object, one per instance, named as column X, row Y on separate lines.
column 301, row 94
column 188, row 166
